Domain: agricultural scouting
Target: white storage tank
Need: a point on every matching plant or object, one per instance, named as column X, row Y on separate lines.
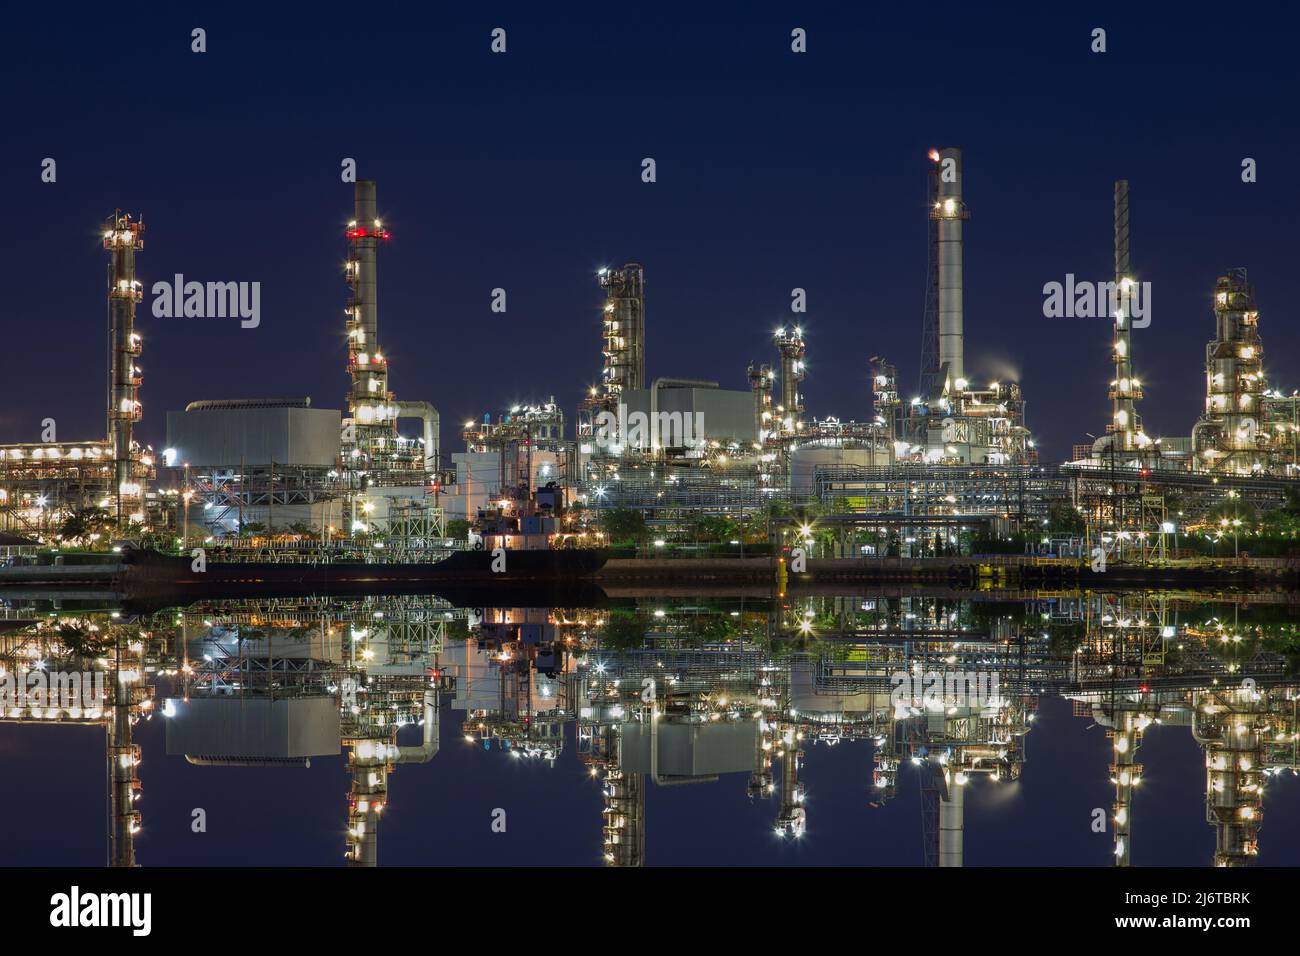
column 806, row 459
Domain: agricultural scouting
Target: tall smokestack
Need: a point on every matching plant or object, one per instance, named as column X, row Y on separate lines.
column 369, row 402
column 364, row 233
column 949, row 211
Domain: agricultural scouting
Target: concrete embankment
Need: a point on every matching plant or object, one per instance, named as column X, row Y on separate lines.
column 687, row 572
column 162, row 578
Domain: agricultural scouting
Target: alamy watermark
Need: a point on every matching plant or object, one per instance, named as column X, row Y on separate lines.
column 624, row 429
column 940, row 691
column 208, row 300
column 1098, row 300
column 133, row 911
column 72, row 692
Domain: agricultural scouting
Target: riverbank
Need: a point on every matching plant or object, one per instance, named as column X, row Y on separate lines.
column 157, row 577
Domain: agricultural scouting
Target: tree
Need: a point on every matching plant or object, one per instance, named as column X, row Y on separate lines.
column 1292, row 504
column 1064, row 518
column 83, row 641
column 625, row 629
column 82, row 523
column 623, row 524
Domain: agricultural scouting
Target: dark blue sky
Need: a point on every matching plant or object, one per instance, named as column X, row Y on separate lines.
column 521, row 171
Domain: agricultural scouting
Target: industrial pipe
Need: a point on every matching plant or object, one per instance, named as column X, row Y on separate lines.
column 429, row 414
column 429, row 746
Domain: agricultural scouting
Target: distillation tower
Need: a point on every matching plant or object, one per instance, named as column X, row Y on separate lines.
column 1231, row 435
column 122, row 240
column 1125, row 427
column 1233, row 727
column 761, row 378
column 624, row 329
column 789, row 412
column 623, row 358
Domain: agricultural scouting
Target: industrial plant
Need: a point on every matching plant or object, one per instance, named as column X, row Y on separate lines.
column 293, row 475
column 676, row 580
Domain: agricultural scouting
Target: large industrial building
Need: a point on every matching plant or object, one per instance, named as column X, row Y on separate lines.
column 270, row 463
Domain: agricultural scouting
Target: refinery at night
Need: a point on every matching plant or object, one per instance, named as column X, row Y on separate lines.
column 655, row 483
column 283, row 475
column 639, row 442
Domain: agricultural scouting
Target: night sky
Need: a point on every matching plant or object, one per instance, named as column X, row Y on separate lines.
column 522, row 171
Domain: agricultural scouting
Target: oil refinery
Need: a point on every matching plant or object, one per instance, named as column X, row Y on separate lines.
column 289, row 473
column 825, row 436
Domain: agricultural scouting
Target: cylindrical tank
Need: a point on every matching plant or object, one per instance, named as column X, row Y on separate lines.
column 807, row 459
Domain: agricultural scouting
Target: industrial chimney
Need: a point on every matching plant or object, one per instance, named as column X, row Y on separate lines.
column 948, row 211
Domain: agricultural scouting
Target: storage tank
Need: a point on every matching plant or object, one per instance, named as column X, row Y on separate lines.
column 805, row 460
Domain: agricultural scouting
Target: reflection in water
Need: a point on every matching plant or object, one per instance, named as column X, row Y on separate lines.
column 671, row 694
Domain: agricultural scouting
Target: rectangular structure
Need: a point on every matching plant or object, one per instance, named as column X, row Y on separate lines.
column 253, row 727
column 231, row 435
column 690, row 749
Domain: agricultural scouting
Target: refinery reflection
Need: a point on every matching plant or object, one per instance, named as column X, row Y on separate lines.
column 940, row 690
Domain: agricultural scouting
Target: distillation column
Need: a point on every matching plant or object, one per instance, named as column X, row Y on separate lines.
column 760, row 383
column 623, row 826
column 123, row 759
column 1229, row 724
column 790, row 345
column 624, row 329
column 792, row 818
column 1228, row 436
column 760, row 778
column 1126, row 773
column 1125, row 390
column 122, row 240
